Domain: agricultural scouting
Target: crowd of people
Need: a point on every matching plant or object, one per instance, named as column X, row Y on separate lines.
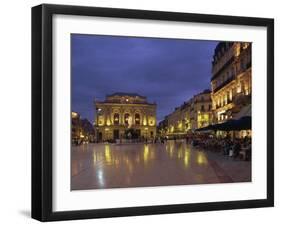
column 237, row 148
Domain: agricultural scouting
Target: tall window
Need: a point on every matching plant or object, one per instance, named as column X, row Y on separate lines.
column 126, row 118
column 137, row 119
column 242, row 87
column 233, row 72
column 116, row 119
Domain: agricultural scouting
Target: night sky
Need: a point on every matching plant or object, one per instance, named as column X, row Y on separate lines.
column 167, row 71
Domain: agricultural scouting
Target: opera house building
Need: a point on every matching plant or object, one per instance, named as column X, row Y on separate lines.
column 124, row 115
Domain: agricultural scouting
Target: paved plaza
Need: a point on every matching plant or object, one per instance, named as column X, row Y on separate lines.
column 97, row 166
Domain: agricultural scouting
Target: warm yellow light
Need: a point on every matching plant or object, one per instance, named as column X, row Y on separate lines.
column 74, row 114
column 180, row 126
column 100, row 120
column 144, row 121
column 201, row 159
column 107, row 153
column 81, row 135
column 171, row 150
column 130, row 121
column 239, row 88
column 94, row 157
column 145, row 153
column 186, row 158
column 179, row 155
column 245, row 45
column 246, row 89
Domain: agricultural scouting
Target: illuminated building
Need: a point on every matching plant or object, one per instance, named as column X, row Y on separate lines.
column 76, row 129
column 200, row 110
column 81, row 129
column 191, row 115
column 121, row 112
column 231, row 79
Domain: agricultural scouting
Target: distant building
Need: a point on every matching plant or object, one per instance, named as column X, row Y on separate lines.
column 121, row 112
column 162, row 127
column 87, row 130
column 200, row 112
column 191, row 115
column 81, row 129
column 231, row 79
column 76, row 129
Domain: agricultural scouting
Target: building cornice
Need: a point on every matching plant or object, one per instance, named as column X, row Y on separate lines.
column 125, row 104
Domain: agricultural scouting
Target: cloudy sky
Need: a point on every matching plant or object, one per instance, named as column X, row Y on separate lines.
column 167, row 71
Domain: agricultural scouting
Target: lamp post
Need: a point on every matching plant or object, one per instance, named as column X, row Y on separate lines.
column 98, row 112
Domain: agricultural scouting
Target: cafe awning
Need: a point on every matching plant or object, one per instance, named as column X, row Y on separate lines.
column 244, row 123
column 209, row 127
column 241, row 121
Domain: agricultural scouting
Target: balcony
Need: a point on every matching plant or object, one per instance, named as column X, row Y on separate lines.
column 230, row 79
column 218, row 72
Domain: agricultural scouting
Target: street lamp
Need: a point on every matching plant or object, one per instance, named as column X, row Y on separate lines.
column 97, row 124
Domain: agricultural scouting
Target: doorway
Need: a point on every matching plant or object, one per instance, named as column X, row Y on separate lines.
column 116, row 134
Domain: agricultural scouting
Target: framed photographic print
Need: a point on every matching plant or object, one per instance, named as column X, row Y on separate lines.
column 145, row 112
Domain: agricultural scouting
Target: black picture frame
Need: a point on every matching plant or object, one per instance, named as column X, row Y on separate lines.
column 42, row 108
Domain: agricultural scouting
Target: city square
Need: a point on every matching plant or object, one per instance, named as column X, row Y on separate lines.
column 160, row 112
column 96, row 166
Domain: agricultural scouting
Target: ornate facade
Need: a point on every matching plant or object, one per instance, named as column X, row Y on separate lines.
column 191, row 115
column 231, row 79
column 200, row 113
column 121, row 112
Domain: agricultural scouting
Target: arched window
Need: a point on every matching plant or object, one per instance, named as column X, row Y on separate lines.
column 137, row 119
column 116, row 119
column 126, row 118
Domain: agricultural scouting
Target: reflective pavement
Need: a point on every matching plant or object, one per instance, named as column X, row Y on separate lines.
column 96, row 166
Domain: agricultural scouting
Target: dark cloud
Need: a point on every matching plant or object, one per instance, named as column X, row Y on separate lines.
column 167, row 71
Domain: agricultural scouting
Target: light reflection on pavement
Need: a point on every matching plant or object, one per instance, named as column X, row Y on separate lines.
column 96, row 166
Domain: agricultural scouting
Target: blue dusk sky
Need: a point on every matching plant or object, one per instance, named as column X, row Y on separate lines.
column 166, row 71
